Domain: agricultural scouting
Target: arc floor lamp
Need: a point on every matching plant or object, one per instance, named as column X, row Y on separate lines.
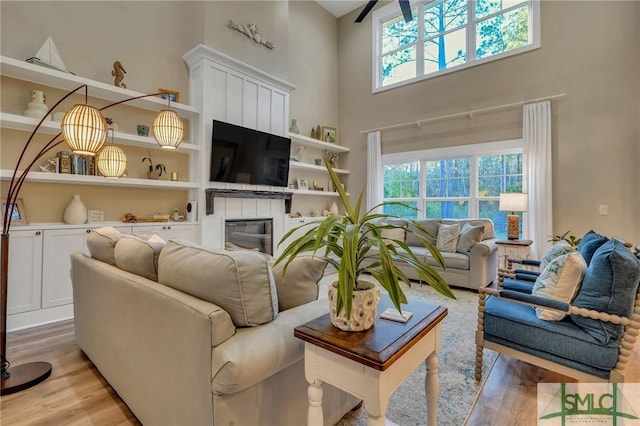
column 84, row 130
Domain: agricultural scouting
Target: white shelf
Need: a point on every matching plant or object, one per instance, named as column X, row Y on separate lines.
column 64, row 178
column 60, row 225
column 53, row 78
column 20, row 122
column 307, row 166
column 316, row 143
column 314, row 193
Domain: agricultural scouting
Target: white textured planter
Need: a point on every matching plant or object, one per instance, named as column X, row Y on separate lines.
column 363, row 311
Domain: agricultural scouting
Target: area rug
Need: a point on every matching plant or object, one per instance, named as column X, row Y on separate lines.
column 458, row 388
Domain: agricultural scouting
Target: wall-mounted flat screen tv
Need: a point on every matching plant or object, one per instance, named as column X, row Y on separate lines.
column 243, row 155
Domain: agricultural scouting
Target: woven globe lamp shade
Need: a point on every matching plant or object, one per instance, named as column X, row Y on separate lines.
column 168, row 129
column 84, row 129
column 112, row 161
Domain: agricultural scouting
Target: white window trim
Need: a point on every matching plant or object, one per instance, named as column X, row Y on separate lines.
column 393, row 9
column 474, row 150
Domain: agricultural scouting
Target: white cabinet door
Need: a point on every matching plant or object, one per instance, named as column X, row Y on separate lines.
column 168, row 232
column 25, row 271
column 59, row 244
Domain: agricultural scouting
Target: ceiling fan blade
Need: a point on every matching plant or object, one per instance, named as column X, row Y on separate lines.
column 406, row 10
column 366, row 10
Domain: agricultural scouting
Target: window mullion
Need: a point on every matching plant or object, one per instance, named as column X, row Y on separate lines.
column 474, row 207
column 471, row 31
column 422, row 213
column 420, row 43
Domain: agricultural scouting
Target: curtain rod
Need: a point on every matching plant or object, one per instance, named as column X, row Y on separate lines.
column 462, row 114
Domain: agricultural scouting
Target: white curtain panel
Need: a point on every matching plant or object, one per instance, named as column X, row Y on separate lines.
column 374, row 170
column 537, row 162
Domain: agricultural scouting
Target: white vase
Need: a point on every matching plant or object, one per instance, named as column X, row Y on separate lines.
column 76, row 212
column 364, row 309
column 333, row 209
column 37, row 107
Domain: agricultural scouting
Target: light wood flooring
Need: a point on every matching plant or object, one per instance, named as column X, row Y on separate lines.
column 76, row 394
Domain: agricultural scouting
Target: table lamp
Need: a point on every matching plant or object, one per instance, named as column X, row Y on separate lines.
column 513, row 202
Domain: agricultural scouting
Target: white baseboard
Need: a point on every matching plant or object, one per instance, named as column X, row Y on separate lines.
column 24, row 320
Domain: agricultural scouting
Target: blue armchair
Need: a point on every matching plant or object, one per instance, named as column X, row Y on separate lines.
column 592, row 343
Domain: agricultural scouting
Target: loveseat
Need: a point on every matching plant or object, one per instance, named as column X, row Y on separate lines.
column 470, row 254
column 190, row 336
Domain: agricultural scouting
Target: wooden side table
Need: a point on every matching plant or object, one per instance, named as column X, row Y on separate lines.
column 372, row 364
column 520, row 249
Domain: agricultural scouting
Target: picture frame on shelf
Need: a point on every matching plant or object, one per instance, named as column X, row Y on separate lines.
column 303, row 184
column 95, row 216
column 329, row 134
column 172, row 95
column 19, row 215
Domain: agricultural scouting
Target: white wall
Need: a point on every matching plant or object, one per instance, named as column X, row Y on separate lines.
column 589, row 51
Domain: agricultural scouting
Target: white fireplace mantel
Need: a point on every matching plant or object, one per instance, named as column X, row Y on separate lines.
column 225, row 89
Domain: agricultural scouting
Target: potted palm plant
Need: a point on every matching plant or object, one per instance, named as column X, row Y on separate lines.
column 354, row 244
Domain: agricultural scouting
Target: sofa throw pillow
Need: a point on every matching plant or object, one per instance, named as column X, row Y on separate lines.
column 139, row 255
column 590, row 243
column 240, row 282
column 560, row 281
column 429, row 225
column 101, row 243
column 448, row 237
column 610, row 286
column 469, row 236
column 392, row 234
column 300, row 284
column 558, row 249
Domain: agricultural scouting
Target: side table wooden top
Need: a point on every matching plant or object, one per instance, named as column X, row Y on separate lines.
column 515, row 242
column 382, row 344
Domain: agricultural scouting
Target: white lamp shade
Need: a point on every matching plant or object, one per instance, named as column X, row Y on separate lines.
column 513, row 202
column 84, row 129
column 112, row 161
column 168, row 129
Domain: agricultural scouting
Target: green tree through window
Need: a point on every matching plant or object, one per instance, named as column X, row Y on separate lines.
column 439, row 36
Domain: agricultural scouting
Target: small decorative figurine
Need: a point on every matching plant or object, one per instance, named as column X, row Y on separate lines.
column 313, row 133
column 332, row 158
column 118, row 72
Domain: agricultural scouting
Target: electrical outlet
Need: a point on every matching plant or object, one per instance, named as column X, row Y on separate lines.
column 603, row 209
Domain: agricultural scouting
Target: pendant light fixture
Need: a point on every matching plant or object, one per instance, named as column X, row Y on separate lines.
column 84, row 129
column 112, row 161
column 168, row 129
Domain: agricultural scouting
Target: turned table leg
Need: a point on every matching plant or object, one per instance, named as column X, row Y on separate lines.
column 314, row 415
column 432, row 388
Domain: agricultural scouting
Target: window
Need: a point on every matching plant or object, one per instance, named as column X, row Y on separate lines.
column 449, row 35
column 458, row 182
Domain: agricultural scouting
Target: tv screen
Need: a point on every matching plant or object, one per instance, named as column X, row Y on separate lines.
column 243, row 155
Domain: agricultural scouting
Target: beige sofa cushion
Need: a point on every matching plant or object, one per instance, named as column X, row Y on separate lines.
column 489, row 229
column 240, row 282
column 448, row 237
column 101, row 243
column 139, row 255
column 470, row 235
column 431, row 225
column 300, row 283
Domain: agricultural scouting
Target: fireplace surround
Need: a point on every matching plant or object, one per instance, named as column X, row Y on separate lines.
column 250, row 233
